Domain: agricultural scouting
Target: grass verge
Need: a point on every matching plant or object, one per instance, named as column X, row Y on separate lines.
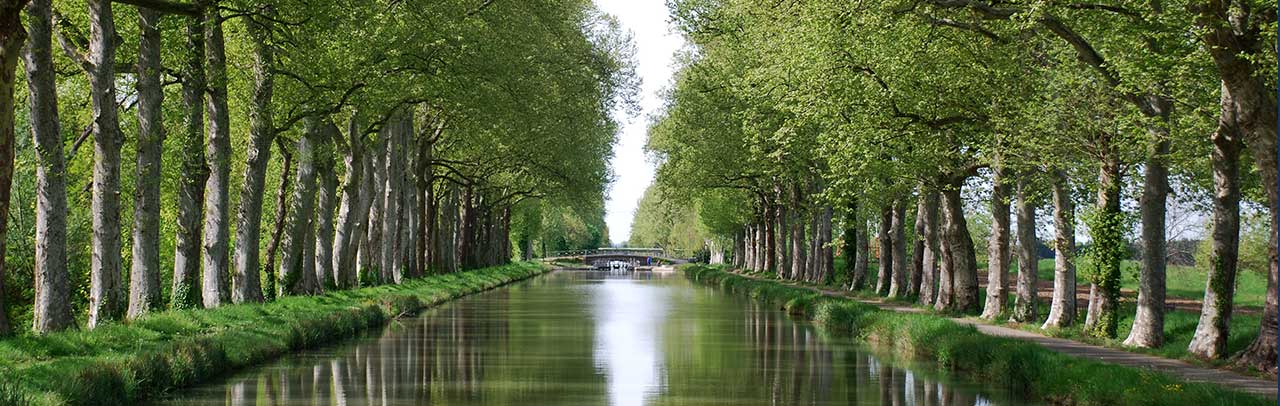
column 1027, row 369
column 126, row 363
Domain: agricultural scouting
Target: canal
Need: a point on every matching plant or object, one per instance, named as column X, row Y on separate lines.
column 591, row 338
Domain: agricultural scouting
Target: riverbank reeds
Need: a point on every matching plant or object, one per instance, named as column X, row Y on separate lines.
column 124, row 363
column 1025, row 368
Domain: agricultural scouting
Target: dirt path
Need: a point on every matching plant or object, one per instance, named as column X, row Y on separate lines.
column 1172, row 367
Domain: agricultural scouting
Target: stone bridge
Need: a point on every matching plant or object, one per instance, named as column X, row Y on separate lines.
column 634, row 257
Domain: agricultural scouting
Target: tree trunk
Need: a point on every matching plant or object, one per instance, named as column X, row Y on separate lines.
column 1236, row 42
column 1148, row 324
column 347, row 235
column 1062, row 309
column 946, row 295
column 828, row 251
column 369, row 259
column 12, row 36
column 426, row 204
column 864, row 255
column 798, row 253
column 293, row 280
column 849, row 244
column 929, row 277
column 391, row 198
column 406, row 249
column 246, row 286
column 466, row 228
column 998, row 247
column 106, row 293
column 783, row 226
column 1108, row 248
column 897, row 232
column 52, row 307
column 328, row 199
column 215, row 289
column 1210, row 340
column 964, row 274
column 1025, row 303
column 770, row 238
column 282, row 213
column 186, row 257
column 144, row 278
column 917, row 250
column 452, row 233
column 814, row 255
column 885, row 271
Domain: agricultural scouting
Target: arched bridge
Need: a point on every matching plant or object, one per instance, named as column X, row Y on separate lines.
column 634, row 257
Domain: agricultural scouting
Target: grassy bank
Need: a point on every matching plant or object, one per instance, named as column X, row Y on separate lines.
column 124, row 363
column 1184, row 282
column 1027, row 369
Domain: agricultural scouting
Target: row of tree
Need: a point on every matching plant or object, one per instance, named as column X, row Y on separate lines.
column 910, row 113
column 410, row 137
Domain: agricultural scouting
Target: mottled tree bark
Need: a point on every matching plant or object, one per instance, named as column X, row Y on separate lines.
column 827, row 250
column 798, row 257
column 12, row 36
column 946, row 296
column 347, row 235
column 184, row 293
column 1062, row 309
column 293, row 280
column 964, row 273
column 246, row 286
column 52, row 308
column 106, row 290
column 1025, row 302
column 144, row 276
column 784, row 229
column 369, row 258
column 426, row 205
column 916, row 274
column 328, row 199
column 1148, row 323
column 998, row 247
column 215, row 289
column 450, row 230
column 929, row 278
column 897, row 232
column 1210, row 339
column 280, row 218
column 885, row 271
column 1235, row 38
column 770, row 240
column 391, row 200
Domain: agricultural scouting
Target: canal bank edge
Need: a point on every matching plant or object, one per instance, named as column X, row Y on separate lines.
column 1029, row 370
column 156, row 354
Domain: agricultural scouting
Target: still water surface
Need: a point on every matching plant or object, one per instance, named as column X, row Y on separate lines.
column 591, row 338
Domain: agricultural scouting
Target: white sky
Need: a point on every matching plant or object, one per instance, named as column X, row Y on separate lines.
column 655, row 46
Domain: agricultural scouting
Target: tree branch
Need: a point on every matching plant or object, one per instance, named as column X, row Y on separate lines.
column 164, row 6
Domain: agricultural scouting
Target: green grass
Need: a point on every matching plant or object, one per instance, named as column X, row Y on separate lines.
column 1182, row 282
column 1180, row 325
column 125, row 363
column 1030, row 371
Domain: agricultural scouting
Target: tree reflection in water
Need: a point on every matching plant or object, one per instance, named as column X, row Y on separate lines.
column 593, row 338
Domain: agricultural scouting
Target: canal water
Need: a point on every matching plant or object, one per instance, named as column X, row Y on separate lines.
column 592, row 338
